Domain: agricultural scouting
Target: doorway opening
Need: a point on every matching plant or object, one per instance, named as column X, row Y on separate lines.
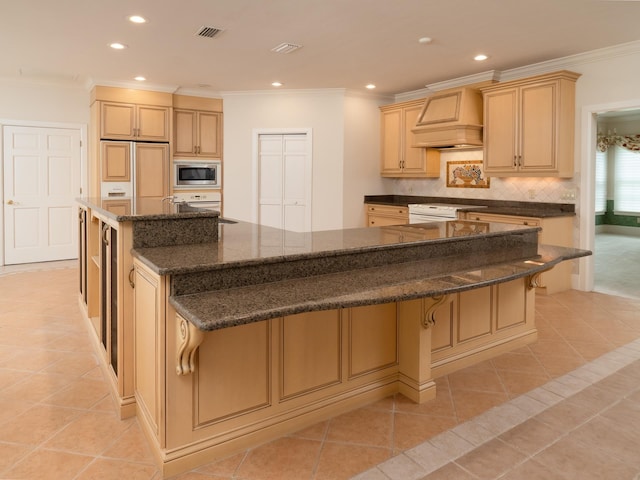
column 614, row 267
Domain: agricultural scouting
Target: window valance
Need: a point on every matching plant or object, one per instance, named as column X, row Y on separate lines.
column 630, row 142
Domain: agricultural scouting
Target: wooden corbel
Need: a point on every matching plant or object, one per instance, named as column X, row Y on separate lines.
column 188, row 339
column 429, row 319
column 535, row 278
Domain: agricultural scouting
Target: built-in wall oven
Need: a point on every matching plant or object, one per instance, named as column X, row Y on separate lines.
column 197, row 174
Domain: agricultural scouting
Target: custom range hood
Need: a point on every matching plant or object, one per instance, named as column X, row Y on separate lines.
column 449, row 119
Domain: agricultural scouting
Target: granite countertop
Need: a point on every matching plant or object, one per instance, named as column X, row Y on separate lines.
column 218, row 309
column 141, row 209
column 498, row 207
column 244, row 243
column 254, row 273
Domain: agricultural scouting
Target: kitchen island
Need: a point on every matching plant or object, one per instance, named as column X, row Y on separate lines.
column 266, row 332
column 261, row 332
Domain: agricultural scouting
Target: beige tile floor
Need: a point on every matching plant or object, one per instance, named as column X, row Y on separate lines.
column 567, row 406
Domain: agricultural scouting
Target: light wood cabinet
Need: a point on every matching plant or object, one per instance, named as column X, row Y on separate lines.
column 384, row 215
column 152, row 170
column 197, row 134
column 470, row 324
column 116, row 161
column 109, row 307
column 126, row 121
column 555, row 231
column 399, row 157
column 529, row 126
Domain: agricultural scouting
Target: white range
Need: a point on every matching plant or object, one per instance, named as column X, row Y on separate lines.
column 436, row 212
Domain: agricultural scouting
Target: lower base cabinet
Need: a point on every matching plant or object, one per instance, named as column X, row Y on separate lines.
column 555, row 231
column 205, row 395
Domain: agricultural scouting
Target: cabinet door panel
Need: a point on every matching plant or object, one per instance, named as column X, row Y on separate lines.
column 117, row 121
column 152, row 168
column 391, row 143
column 442, row 333
column 153, row 123
column 474, row 314
column 116, row 161
column 185, row 133
column 209, row 134
column 511, row 304
column 310, row 358
column 500, row 130
column 373, row 338
column 538, row 127
column 414, row 158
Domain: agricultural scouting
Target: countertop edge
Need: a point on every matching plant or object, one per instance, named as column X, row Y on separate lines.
column 437, row 285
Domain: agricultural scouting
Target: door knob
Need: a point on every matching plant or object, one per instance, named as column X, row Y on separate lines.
column 10, row 202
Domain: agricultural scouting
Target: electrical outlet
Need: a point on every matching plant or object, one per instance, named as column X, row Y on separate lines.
column 532, row 193
column 569, row 194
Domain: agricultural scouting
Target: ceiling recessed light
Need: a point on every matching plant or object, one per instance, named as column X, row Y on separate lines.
column 371, row 86
column 276, row 84
column 480, row 58
column 137, row 19
column 425, row 40
column 140, row 78
column 118, row 46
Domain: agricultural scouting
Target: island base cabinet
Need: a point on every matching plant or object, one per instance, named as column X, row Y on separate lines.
column 203, row 395
column 476, row 325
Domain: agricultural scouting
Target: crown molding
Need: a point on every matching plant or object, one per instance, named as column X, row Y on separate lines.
column 572, row 61
column 133, row 85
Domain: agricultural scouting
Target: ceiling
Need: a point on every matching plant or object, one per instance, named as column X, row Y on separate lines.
column 345, row 43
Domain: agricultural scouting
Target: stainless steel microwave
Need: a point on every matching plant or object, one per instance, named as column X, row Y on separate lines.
column 197, row 174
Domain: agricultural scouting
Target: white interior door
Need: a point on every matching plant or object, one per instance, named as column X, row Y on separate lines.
column 41, row 181
column 284, row 181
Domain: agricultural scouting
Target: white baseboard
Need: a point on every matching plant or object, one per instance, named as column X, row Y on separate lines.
column 618, row 229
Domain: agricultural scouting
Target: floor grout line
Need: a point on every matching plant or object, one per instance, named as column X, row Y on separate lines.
column 603, row 361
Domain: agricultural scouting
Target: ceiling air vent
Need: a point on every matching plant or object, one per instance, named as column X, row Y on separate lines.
column 208, row 32
column 286, row 48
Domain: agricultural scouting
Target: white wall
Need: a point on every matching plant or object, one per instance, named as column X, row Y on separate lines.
column 362, row 157
column 322, row 112
column 44, row 102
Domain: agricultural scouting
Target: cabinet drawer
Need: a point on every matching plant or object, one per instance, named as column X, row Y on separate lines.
column 487, row 217
column 388, row 210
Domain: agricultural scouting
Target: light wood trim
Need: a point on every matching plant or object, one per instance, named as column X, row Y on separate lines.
column 189, row 102
column 560, row 74
column 130, row 95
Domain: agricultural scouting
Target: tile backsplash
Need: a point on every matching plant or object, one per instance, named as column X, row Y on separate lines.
column 529, row 189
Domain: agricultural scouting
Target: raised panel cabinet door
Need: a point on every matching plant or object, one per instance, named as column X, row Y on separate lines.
column 117, row 121
column 184, row 128
column 116, row 161
column 209, row 134
column 500, row 131
column 414, row 158
column 152, row 123
column 152, row 170
column 391, row 125
column 373, row 338
column 538, row 127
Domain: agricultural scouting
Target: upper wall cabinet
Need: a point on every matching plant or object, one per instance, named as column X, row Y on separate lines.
column 399, row 158
column 197, row 134
column 197, row 127
column 529, row 126
column 126, row 121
